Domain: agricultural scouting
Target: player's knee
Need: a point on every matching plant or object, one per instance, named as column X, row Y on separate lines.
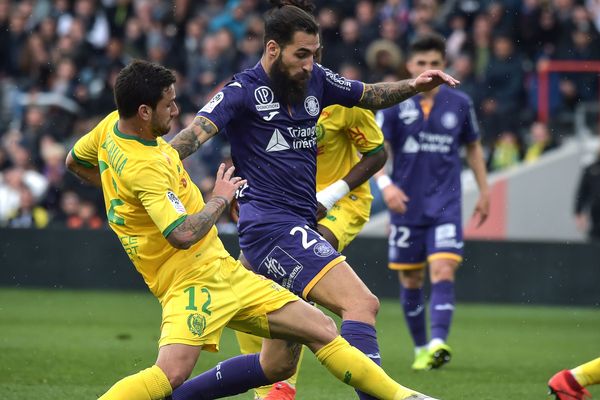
column 177, row 376
column 443, row 272
column 412, row 279
column 281, row 366
column 370, row 304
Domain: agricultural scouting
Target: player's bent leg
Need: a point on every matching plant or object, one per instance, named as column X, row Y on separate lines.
column 343, row 292
column 301, row 322
column 589, row 373
column 441, row 306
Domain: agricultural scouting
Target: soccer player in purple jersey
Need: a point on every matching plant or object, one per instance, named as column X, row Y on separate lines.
column 424, row 134
column 270, row 113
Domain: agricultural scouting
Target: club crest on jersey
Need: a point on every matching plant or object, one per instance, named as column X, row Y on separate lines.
column 311, row 105
column 196, row 324
column 175, row 202
column 265, row 99
column 449, row 120
column 408, row 112
column 323, row 249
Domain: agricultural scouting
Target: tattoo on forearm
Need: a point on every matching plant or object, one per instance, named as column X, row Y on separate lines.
column 386, row 94
column 196, row 226
column 186, row 142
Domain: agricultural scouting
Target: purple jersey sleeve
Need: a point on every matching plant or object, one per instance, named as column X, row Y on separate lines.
column 224, row 106
column 470, row 132
column 337, row 89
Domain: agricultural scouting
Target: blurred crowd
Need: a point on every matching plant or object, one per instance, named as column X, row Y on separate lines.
column 59, row 60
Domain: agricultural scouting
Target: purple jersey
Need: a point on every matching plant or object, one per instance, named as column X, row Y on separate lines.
column 273, row 145
column 427, row 162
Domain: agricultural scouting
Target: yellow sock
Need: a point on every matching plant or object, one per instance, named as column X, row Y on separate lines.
column 149, row 384
column 250, row 344
column 588, row 374
column 354, row 368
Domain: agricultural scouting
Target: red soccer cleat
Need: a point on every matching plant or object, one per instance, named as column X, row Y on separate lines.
column 281, row 391
column 564, row 386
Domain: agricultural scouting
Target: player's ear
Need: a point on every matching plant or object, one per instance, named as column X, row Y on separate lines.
column 273, row 49
column 145, row 112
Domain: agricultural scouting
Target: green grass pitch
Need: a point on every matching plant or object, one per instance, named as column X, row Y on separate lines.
column 59, row 344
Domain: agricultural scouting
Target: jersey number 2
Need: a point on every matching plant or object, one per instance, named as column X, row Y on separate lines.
column 304, row 236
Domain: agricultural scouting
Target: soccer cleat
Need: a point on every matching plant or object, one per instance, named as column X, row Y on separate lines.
column 422, row 361
column 440, row 354
column 281, row 391
column 564, row 386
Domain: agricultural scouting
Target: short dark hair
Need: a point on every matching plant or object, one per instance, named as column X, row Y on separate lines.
column 289, row 17
column 141, row 82
column 428, row 42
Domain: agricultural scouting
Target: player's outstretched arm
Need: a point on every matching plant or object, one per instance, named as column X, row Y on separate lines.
column 193, row 136
column 196, row 226
column 385, row 94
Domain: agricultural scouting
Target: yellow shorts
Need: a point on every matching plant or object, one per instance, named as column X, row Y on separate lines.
column 221, row 293
column 347, row 218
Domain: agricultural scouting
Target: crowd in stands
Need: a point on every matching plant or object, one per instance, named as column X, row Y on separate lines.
column 59, row 60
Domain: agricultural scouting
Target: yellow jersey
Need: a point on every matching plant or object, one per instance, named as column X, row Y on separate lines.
column 147, row 194
column 343, row 134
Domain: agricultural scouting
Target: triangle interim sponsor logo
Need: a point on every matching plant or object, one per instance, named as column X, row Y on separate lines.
column 411, row 145
column 277, row 142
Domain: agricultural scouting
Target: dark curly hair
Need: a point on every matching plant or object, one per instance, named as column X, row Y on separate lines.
column 141, row 82
column 287, row 18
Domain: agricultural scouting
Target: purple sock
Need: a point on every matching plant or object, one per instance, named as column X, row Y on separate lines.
column 236, row 375
column 364, row 337
column 413, row 303
column 441, row 308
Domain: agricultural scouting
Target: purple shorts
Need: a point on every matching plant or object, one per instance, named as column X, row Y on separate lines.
column 410, row 246
column 285, row 250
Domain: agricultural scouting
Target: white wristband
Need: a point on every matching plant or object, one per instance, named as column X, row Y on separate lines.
column 383, row 181
column 332, row 193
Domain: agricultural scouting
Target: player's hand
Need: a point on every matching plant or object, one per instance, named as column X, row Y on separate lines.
column 321, row 211
column 395, row 198
column 482, row 209
column 234, row 210
column 431, row 79
column 225, row 184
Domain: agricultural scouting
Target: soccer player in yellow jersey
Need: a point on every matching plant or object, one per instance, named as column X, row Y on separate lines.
column 570, row 384
column 349, row 151
column 168, row 232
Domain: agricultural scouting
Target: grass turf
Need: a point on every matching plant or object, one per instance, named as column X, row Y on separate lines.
column 59, row 344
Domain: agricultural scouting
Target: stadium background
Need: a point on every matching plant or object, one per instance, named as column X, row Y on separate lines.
column 58, row 62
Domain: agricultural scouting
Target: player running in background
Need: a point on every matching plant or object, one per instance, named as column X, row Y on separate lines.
column 570, row 384
column 168, row 231
column 425, row 134
column 349, row 151
column 270, row 114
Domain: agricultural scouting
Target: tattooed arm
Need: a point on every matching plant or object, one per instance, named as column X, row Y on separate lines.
column 385, row 94
column 196, row 226
column 193, row 136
